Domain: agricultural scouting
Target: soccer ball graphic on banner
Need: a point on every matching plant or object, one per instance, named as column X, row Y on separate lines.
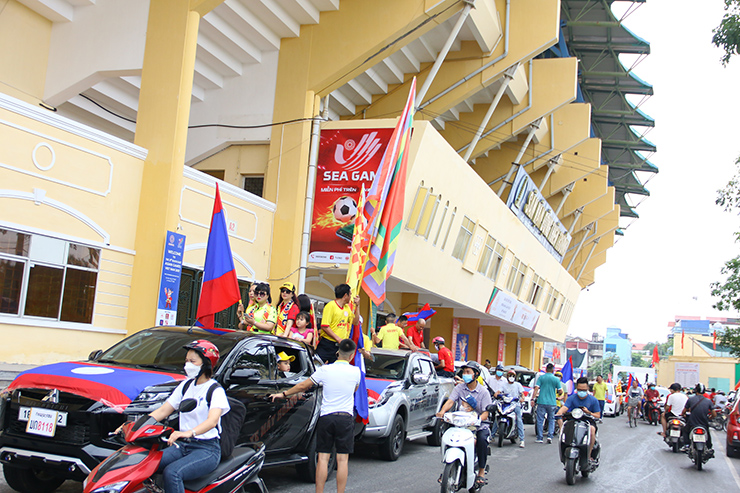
column 344, row 209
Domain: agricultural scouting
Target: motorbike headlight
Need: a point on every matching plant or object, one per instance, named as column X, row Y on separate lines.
column 577, row 413
column 111, row 488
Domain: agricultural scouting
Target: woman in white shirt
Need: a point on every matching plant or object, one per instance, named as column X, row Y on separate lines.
column 202, row 454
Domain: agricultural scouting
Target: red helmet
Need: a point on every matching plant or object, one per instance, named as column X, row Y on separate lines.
column 206, row 349
column 438, row 340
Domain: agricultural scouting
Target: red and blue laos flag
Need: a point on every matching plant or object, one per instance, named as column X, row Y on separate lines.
column 220, row 287
column 567, row 372
column 361, row 404
column 426, row 313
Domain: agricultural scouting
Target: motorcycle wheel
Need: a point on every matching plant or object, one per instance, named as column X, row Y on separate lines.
column 674, row 446
column 449, row 477
column 570, row 472
column 500, row 440
column 699, row 460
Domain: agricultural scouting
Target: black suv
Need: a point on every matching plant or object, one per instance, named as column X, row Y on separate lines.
column 247, row 370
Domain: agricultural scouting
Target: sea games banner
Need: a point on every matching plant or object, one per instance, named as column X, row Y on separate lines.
column 348, row 158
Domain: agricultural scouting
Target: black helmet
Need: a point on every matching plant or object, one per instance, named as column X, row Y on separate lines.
column 699, row 389
column 473, row 365
column 675, row 386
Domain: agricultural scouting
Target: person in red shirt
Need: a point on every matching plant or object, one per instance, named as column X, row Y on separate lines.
column 416, row 333
column 446, row 365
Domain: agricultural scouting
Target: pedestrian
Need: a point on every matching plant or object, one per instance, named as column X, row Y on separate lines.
column 391, row 335
column 545, row 390
column 335, row 427
column 515, row 390
column 446, row 365
column 336, row 322
column 261, row 316
column 287, row 309
column 487, row 364
column 600, row 395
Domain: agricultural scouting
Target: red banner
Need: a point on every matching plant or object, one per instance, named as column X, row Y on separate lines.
column 347, row 159
column 501, row 346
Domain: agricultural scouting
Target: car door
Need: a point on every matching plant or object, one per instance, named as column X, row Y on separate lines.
column 420, row 394
column 432, row 399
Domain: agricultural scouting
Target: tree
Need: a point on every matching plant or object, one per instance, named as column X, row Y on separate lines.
column 638, row 361
column 727, row 34
column 664, row 348
column 730, row 338
column 604, row 366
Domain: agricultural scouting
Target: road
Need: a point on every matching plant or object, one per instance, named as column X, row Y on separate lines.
column 631, row 460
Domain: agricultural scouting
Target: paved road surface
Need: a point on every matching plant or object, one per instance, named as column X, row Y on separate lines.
column 632, row 460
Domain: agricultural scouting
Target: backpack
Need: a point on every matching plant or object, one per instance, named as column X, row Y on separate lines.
column 231, row 422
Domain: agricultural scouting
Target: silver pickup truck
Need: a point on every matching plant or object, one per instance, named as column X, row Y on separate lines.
column 404, row 394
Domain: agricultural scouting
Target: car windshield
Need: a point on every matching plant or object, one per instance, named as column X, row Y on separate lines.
column 158, row 349
column 526, row 379
column 386, row 366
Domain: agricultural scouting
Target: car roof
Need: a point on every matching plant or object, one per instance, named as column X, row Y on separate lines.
column 199, row 333
column 518, row 368
column 396, row 352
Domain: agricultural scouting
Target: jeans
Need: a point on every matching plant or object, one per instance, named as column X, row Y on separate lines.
column 601, row 409
column 481, row 446
column 189, row 460
column 550, row 411
column 519, row 422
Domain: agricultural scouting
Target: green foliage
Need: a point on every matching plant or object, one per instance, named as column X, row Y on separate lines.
column 729, row 197
column 604, row 366
column 664, row 349
column 727, row 34
column 728, row 291
column 730, row 338
column 637, row 360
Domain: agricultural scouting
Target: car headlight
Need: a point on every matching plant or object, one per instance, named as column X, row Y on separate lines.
column 112, row 488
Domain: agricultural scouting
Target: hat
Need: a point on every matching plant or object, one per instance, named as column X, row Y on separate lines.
column 284, row 357
column 289, row 286
column 471, row 401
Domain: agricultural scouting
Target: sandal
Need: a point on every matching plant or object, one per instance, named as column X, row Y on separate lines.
column 480, row 482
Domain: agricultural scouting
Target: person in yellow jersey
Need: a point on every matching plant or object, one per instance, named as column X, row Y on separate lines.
column 336, row 321
column 391, row 335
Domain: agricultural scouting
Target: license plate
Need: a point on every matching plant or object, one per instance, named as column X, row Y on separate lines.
column 42, row 422
column 700, row 438
column 675, row 433
column 25, row 412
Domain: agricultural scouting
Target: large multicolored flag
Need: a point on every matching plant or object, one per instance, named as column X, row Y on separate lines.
column 567, row 372
column 362, row 408
column 220, row 287
column 358, row 250
column 384, row 205
column 426, row 313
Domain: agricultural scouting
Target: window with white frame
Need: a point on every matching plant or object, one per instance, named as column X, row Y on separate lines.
column 449, row 228
column 553, row 302
column 441, row 223
column 498, row 258
column 535, row 292
column 516, row 276
column 463, row 238
column 47, row 277
column 548, row 298
column 487, row 255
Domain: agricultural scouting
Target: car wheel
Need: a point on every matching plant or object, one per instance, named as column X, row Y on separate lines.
column 31, row 480
column 732, row 451
column 391, row 448
column 435, row 439
column 307, row 470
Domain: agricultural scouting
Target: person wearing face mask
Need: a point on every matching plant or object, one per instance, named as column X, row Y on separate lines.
column 515, row 389
column 496, row 381
column 461, row 392
column 202, row 454
column 588, row 403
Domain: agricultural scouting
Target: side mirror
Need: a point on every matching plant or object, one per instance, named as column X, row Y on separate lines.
column 95, row 355
column 188, row 405
column 420, row 378
column 245, row 375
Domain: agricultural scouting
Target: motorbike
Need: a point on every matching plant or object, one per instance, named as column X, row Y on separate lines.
column 698, row 450
column 652, row 411
column 505, row 418
column 129, row 469
column 574, row 442
column 458, row 452
column 719, row 422
column 675, row 432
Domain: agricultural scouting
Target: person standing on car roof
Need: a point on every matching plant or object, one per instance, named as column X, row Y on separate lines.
column 515, row 389
column 261, row 317
column 391, row 334
column 286, row 310
column 415, row 333
column 240, row 310
column 446, row 365
column 336, row 322
column 335, row 428
column 202, row 454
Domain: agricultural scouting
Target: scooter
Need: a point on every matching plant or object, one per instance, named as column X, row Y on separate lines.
column 652, row 411
column 505, row 418
column 458, row 453
column 129, row 469
column 675, row 432
column 699, row 453
column 574, row 442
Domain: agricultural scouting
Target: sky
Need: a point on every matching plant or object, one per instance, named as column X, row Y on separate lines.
column 667, row 259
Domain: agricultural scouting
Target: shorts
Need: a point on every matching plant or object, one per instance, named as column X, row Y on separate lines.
column 327, row 350
column 335, row 429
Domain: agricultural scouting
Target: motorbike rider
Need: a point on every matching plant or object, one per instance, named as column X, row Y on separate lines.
column 651, row 393
column 590, row 406
column 446, row 365
column 471, row 387
column 202, row 454
column 496, row 381
column 674, row 404
column 699, row 409
column 634, row 396
column 515, row 390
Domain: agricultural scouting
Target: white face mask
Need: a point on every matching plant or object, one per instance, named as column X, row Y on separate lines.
column 191, row 370
column 511, row 379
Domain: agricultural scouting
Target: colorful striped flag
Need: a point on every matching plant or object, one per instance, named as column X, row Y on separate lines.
column 358, row 251
column 384, row 205
column 220, row 287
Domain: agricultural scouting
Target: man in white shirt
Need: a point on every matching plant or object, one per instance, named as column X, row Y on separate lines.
column 496, row 382
column 674, row 404
column 336, row 421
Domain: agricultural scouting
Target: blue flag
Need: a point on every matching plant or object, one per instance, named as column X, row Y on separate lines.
column 361, row 406
column 567, row 372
